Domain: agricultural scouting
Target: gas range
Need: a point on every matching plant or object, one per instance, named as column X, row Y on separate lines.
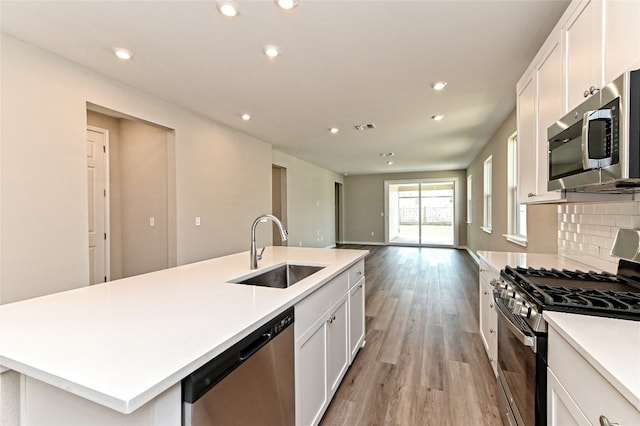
column 528, row 292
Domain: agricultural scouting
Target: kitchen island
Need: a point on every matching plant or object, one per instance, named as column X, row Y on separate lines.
column 127, row 343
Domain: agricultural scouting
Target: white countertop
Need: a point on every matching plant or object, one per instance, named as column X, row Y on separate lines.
column 122, row 343
column 499, row 259
column 611, row 346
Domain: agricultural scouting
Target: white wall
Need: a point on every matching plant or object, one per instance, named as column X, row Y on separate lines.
column 222, row 175
column 310, row 202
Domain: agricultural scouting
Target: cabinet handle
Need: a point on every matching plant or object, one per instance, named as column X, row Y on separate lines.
column 491, row 330
column 491, row 305
column 485, row 292
column 593, row 90
column 360, row 286
column 586, row 93
column 531, row 194
column 605, row 422
column 331, row 319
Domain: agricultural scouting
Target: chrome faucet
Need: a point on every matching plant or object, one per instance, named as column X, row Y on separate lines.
column 254, row 250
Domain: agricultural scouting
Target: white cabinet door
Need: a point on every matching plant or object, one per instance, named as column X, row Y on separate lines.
column 549, row 109
column 488, row 315
column 337, row 345
column 311, row 375
column 527, row 146
column 562, row 410
column 356, row 318
column 582, row 35
column 621, row 37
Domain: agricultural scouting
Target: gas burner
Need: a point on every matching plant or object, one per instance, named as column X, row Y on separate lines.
column 590, row 293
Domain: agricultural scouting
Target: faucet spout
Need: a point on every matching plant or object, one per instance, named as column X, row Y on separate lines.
column 254, row 249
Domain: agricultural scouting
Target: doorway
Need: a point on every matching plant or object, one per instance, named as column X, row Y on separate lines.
column 420, row 212
column 338, row 212
column 138, row 193
column 279, row 201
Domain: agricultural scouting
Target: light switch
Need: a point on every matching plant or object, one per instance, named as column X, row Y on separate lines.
column 152, row 221
column 197, row 220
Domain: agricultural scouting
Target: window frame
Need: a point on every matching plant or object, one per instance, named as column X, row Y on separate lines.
column 516, row 212
column 470, row 199
column 487, row 199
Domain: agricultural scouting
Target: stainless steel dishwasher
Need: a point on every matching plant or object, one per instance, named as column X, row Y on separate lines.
column 251, row 383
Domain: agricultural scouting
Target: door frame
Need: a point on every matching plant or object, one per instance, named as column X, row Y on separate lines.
column 456, row 188
column 107, row 198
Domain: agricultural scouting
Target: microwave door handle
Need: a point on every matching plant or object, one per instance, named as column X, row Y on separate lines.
column 586, row 157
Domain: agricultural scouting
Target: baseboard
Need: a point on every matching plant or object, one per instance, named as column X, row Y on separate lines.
column 364, row 243
column 472, row 254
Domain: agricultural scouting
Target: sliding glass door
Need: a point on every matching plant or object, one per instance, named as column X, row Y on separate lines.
column 420, row 212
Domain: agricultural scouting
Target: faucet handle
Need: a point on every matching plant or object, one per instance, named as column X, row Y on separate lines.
column 259, row 256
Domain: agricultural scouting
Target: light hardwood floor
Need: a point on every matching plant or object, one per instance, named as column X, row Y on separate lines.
column 424, row 362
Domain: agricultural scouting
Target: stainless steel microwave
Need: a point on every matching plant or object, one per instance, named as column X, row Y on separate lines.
column 596, row 147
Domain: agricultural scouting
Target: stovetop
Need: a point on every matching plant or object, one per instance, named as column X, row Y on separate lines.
column 590, row 293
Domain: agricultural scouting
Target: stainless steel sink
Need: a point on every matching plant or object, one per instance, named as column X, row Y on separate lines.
column 281, row 277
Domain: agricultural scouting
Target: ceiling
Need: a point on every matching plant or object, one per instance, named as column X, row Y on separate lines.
column 343, row 63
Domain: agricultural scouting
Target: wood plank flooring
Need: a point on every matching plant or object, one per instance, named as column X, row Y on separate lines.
column 424, row 362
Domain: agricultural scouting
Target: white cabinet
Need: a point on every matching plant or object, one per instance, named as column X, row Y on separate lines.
column 577, row 393
column 356, row 318
column 488, row 314
column 329, row 330
column 582, row 36
column 337, row 325
column 538, row 103
column 601, row 40
column 356, row 309
column 621, row 37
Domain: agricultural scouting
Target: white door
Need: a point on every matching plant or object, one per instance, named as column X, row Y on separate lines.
column 97, row 186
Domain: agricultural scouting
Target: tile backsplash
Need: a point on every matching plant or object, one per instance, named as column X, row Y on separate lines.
column 586, row 231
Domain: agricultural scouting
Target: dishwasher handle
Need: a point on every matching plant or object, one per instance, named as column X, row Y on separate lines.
column 254, row 346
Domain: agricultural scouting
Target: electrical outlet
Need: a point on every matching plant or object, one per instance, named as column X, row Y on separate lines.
column 152, row 221
column 197, row 220
column 373, row 234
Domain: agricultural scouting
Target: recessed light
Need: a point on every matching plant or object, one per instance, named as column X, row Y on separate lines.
column 228, row 8
column 439, row 85
column 246, row 117
column 389, row 162
column 334, row 130
column 286, row 4
column 271, row 51
column 386, row 154
column 437, row 117
column 123, row 54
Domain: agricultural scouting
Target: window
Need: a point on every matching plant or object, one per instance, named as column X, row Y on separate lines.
column 469, row 198
column 488, row 173
column 517, row 213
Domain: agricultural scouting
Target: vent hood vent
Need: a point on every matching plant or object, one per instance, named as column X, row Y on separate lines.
column 361, row 127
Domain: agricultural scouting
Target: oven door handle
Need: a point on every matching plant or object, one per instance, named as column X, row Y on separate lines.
column 522, row 337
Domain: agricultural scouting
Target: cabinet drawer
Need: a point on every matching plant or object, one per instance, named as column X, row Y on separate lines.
column 313, row 306
column 356, row 272
column 593, row 394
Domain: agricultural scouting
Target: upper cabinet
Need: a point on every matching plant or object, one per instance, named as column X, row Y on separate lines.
column 593, row 43
column 539, row 103
column 621, row 37
column 582, row 40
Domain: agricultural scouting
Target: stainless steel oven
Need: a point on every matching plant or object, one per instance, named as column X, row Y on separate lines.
column 521, row 297
column 522, row 368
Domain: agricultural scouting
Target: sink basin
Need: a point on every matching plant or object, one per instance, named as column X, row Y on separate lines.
column 281, row 277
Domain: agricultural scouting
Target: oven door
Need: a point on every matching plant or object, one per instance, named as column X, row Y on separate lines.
column 521, row 371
